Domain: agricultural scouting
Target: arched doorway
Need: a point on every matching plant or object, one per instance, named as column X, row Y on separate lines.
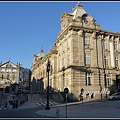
column 7, row 89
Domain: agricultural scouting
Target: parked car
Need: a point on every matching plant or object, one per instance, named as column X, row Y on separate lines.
column 115, row 96
column 27, row 92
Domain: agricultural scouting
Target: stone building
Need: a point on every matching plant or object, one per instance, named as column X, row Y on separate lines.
column 11, row 76
column 83, row 56
column 25, row 78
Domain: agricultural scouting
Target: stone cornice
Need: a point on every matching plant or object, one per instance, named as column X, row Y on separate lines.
column 44, row 59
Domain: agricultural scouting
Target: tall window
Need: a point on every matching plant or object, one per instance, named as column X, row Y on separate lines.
column 64, row 46
column 59, row 64
column 68, row 42
column 87, row 41
column 115, row 45
column 108, row 80
column 106, row 61
column 51, row 70
column 2, row 76
column 13, row 77
column 43, row 73
column 105, row 44
column 88, row 79
column 116, row 61
column 8, row 76
column 63, row 61
column 87, row 58
column 59, row 83
column 68, row 59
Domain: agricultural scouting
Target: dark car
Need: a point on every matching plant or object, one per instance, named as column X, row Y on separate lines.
column 115, row 96
column 27, row 92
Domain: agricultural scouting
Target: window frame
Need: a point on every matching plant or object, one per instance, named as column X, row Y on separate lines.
column 88, row 79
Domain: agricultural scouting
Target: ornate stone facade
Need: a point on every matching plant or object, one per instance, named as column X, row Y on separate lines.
column 9, row 74
column 13, row 75
column 83, row 56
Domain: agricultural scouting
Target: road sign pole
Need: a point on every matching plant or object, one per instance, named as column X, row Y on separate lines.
column 66, row 92
column 66, row 105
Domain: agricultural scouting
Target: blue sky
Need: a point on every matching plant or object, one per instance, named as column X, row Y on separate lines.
column 26, row 27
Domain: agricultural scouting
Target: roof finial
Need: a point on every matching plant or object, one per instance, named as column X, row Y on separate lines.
column 9, row 59
column 72, row 8
column 78, row 2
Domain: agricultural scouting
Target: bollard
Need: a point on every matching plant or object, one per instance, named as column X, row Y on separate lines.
column 57, row 112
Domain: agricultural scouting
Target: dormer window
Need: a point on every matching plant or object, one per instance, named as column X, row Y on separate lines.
column 63, row 24
column 85, row 20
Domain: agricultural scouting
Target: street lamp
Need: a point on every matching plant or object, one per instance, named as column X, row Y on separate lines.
column 48, row 70
column 100, row 83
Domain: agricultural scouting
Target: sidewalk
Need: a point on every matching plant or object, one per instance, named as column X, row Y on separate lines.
column 28, row 104
column 98, row 109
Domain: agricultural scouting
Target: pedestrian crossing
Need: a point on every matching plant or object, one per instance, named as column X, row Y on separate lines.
column 44, row 103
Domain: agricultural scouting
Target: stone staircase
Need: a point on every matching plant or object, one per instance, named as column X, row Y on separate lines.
column 3, row 98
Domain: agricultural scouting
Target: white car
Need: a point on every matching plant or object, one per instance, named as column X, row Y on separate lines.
column 115, row 96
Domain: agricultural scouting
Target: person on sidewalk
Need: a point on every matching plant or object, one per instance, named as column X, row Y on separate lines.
column 13, row 106
column 87, row 96
column 6, row 104
column 81, row 95
column 16, row 104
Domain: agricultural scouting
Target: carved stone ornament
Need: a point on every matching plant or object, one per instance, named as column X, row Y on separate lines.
column 94, row 35
column 80, row 33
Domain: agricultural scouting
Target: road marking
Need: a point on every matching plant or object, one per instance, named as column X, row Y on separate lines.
column 55, row 102
column 44, row 103
column 51, row 103
column 39, row 104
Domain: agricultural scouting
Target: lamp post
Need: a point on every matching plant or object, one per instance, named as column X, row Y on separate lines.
column 100, row 84
column 48, row 70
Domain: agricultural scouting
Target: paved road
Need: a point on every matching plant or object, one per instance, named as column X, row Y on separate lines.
column 20, row 113
column 105, row 109
column 36, row 109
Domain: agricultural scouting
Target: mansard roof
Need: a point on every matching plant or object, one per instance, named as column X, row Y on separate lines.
column 78, row 11
column 40, row 54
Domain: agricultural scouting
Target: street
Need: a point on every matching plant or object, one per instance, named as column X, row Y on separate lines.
column 20, row 113
column 89, row 109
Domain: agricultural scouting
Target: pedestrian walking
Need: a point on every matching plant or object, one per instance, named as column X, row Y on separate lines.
column 13, row 106
column 16, row 104
column 81, row 95
column 6, row 104
column 87, row 96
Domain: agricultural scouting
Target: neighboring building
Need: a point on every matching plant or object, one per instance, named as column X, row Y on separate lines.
column 83, row 56
column 25, row 78
column 10, row 75
column 38, row 74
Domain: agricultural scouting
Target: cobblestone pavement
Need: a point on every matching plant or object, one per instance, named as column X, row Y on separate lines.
column 89, row 109
column 98, row 109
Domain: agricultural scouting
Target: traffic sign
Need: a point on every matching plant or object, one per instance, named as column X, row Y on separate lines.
column 66, row 90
